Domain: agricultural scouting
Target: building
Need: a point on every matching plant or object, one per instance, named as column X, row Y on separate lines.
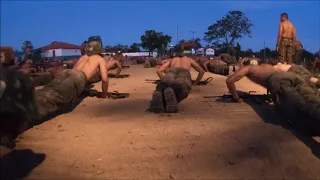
column 61, row 50
column 209, row 52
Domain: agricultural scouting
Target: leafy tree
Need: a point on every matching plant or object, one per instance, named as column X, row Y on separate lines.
column 248, row 53
column 225, row 31
column 37, row 54
column 26, row 44
column 135, row 47
column 307, row 55
column 153, row 40
column 95, row 38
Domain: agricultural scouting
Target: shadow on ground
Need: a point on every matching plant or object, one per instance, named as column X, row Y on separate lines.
column 19, row 163
column 269, row 115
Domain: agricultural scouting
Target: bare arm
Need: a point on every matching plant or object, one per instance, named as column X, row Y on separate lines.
column 205, row 64
column 199, row 69
column 162, row 69
column 104, row 78
column 279, row 34
column 294, row 35
column 234, row 78
column 119, row 67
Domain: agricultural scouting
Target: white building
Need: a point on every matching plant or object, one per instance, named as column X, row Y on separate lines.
column 210, row 52
column 60, row 49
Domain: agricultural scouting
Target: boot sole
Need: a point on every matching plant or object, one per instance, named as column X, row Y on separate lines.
column 156, row 103
column 171, row 101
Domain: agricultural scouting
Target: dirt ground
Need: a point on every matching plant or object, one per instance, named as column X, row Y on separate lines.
column 207, row 139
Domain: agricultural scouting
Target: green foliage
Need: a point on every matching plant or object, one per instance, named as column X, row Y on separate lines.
column 26, row 44
column 153, row 40
column 135, row 47
column 37, row 54
column 224, row 32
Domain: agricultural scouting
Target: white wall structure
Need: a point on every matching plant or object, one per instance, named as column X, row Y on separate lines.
column 210, row 51
column 52, row 53
column 200, row 51
column 71, row 52
column 61, row 52
column 136, row 54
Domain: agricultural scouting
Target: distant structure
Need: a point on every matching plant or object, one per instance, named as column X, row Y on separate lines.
column 61, row 50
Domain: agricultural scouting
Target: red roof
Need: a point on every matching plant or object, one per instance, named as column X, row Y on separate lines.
column 60, row 45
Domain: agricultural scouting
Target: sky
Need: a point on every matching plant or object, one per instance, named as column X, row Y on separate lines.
column 123, row 22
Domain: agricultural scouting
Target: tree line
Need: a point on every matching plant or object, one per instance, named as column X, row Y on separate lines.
column 221, row 36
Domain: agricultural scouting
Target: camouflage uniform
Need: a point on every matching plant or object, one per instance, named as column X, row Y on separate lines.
column 286, row 50
column 94, row 48
column 179, row 79
column 296, row 99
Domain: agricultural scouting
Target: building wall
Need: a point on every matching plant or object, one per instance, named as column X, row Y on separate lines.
column 71, row 52
column 210, row 51
column 49, row 53
column 135, row 54
column 61, row 52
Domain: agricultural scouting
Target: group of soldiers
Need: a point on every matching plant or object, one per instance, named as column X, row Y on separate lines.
column 294, row 91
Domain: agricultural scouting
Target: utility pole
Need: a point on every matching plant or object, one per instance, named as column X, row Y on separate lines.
column 177, row 33
column 193, row 32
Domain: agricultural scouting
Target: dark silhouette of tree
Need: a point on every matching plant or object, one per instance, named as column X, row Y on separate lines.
column 26, row 45
column 248, row 53
column 153, row 40
column 135, row 47
column 225, row 31
column 37, row 54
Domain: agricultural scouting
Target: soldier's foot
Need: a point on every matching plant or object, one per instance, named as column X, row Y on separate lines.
column 171, row 100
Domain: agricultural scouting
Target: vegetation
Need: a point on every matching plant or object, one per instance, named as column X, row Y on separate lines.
column 221, row 35
column 225, row 31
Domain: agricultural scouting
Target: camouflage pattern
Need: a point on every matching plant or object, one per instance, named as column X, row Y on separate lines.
column 220, row 69
column 147, row 64
column 94, row 48
column 301, row 71
column 227, row 58
column 296, row 99
column 286, row 50
column 179, row 79
column 18, row 97
column 62, row 90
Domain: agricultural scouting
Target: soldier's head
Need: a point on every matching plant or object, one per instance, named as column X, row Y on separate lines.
column 283, row 17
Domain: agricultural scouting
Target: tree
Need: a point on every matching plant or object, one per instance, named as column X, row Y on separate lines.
column 95, row 38
column 37, row 54
column 27, row 45
column 153, row 40
column 135, row 47
column 248, row 53
column 224, row 32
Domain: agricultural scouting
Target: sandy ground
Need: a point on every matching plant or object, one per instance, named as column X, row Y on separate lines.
column 207, row 139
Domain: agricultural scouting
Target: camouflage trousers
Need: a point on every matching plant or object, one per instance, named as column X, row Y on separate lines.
column 297, row 100
column 286, row 50
column 179, row 79
column 62, row 90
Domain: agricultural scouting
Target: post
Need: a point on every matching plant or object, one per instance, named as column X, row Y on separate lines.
column 193, row 32
column 177, row 33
